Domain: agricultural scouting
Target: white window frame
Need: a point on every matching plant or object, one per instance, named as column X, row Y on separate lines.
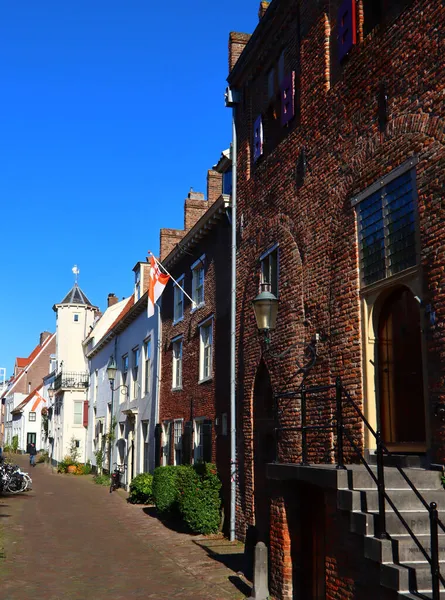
column 197, row 267
column 136, row 358
column 178, row 301
column 76, row 416
column 147, row 365
column 177, row 372
column 166, row 441
column 32, row 412
column 198, row 440
column 263, row 257
column 177, row 439
column 205, row 325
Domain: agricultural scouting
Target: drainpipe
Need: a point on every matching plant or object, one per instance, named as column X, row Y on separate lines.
column 232, row 99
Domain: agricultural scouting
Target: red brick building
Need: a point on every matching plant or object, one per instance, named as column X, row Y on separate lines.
column 340, row 127
column 194, row 399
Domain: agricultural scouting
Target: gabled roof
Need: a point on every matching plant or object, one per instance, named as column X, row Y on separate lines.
column 109, row 333
column 21, row 362
column 29, row 397
column 31, row 358
column 76, row 296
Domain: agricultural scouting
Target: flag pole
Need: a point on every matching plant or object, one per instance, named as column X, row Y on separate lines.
column 172, row 278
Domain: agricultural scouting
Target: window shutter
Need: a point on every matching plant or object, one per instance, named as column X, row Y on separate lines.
column 257, row 138
column 187, row 443
column 346, row 28
column 207, row 441
column 157, row 445
column 287, row 90
column 85, row 413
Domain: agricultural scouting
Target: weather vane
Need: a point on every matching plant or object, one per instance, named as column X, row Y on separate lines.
column 76, row 272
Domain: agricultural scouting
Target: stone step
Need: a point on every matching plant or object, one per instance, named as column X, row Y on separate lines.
column 359, row 478
column 406, row 461
column 407, row 551
column 419, row 521
column 408, row 576
column 367, row 501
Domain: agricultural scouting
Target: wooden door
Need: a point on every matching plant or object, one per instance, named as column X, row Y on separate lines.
column 402, row 405
column 312, row 550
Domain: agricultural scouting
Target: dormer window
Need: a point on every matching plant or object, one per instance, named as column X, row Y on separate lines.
column 137, row 285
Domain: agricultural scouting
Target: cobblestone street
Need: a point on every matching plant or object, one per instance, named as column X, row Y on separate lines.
column 70, row 539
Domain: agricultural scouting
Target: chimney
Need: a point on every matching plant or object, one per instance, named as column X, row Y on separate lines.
column 44, row 336
column 262, row 10
column 194, row 207
column 214, row 186
column 237, row 43
column 112, row 299
column 145, row 276
column 168, row 240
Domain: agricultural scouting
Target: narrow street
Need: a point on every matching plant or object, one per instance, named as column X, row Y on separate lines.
column 70, row 539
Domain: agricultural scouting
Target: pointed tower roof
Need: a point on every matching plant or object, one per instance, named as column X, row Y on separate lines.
column 76, row 296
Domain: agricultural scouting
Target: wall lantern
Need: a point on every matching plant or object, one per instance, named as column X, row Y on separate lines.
column 111, row 370
column 265, row 307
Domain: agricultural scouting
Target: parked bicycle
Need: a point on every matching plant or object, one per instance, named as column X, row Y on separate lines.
column 116, row 476
column 13, row 480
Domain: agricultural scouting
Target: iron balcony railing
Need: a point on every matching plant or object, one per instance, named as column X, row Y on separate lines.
column 71, row 379
column 343, row 433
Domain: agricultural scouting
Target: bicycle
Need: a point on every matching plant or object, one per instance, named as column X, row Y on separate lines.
column 119, row 470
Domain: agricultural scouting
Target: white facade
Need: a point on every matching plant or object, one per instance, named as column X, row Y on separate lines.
column 26, row 420
column 133, row 342
column 11, row 403
column 75, row 318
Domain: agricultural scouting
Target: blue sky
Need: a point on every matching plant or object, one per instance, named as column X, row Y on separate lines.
column 110, row 112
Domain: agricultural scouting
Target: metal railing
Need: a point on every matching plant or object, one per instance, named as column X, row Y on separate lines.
column 71, row 379
column 337, row 426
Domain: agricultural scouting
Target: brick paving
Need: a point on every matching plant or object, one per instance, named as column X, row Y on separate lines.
column 69, row 539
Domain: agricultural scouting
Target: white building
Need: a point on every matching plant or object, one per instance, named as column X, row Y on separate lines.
column 26, row 420
column 69, row 406
column 125, row 333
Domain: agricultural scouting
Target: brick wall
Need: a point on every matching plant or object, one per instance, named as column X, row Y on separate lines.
column 37, row 371
column 210, row 399
column 214, row 186
column 308, row 210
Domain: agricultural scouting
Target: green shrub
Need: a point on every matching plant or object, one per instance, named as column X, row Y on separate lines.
column 15, row 443
column 87, row 468
column 199, row 499
column 102, row 479
column 165, row 489
column 141, row 489
column 43, row 456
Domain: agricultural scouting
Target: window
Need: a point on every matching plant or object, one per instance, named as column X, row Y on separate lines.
column 205, row 350
column 146, row 446
column 166, row 446
column 198, row 282
column 78, row 413
column 386, row 218
column 76, row 318
column 347, row 26
column 224, row 427
column 147, row 365
column 124, row 368
column 32, row 416
column 269, row 269
column 135, row 369
column 77, row 443
column 227, row 182
column 198, row 443
column 178, row 301
column 178, row 442
column 177, row 364
column 257, row 138
column 137, row 285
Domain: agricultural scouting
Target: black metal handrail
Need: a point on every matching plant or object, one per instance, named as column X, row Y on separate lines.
column 71, row 379
column 337, row 425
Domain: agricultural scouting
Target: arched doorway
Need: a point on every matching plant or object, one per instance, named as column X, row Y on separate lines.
column 400, row 372
column 264, row 451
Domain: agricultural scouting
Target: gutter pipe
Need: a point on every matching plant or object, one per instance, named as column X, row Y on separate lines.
column 232, row 98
